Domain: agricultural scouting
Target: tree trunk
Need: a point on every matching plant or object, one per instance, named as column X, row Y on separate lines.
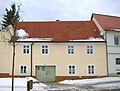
column 13, row 65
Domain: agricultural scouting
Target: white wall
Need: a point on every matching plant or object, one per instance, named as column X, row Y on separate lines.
column 111, row 47
column 110, row 37
column 113, row 52
column 112, row 63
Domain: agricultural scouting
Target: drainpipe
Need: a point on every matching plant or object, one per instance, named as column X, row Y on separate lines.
column 31, row 58
column 107, row 54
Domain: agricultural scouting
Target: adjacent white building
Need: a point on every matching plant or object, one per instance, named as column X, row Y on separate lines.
column 109, row 27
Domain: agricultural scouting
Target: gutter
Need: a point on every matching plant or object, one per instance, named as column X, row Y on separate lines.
column 31, row 58
column 106, row 54
column 62, row 41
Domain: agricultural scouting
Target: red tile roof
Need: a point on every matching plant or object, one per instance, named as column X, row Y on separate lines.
column 60, row 30
column 107, row 22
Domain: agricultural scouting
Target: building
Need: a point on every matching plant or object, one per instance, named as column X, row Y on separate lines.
column 59, row 50
column 109, row 27
column 56, row 50
column 5, row 53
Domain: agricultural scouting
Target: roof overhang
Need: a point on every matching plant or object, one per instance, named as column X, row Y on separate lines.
column 114, row 30
column 60, row 41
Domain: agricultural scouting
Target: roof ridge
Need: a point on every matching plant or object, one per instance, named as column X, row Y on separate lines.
column 53, row 21
column 106, row 15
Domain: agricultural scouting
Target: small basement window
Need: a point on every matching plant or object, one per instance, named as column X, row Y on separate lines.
column 118, row 73
column 117, row 61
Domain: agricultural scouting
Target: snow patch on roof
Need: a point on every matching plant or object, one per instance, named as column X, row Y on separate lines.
column 90, row 39
column 36, row 39
column 21, row 33
column 113, row 30
column 117, row 29
column 52, row 39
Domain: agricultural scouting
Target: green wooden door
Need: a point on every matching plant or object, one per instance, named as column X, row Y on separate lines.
column 50, row 73
column 40, row 73
column 45, row 73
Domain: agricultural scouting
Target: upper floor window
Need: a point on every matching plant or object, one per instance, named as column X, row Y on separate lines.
column 71, row 69
column 26, row 49
column 89, row 49
column 23, row 69
column 91, row 69
column 70, row 49
column 117, row 61
column 116, row 39
column 45, row 49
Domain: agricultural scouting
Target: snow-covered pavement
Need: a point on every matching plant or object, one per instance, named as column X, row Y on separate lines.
column 20, row 84
column 96, row 84
column 91, row 81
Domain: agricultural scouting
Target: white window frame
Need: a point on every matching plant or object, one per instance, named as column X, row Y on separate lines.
column 70, row 50
column 26, row 49
column 91, row 69
column 45, row 49
column 118, row 40
column 23, row 69
column 89, row 49
column 72, row 69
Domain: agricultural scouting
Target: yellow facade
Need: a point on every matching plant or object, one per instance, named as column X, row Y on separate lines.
column 4, row 57
column 5, row 49
column 59, row 57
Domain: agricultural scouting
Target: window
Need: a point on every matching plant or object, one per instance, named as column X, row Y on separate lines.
column 117, row 61
column 116, row 39
column 89, row 49
column 118, row 73
column 23, row 69
column 44, row 49
column 71, row 69
column 26, row 49
column 70, row 49
column 91, row 69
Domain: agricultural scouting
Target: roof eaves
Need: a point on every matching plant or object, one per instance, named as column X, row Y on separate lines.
column 60, row 41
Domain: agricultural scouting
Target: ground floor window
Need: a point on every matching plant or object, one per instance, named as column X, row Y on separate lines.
column 71, row 69
column 118, row 73
column 23, row 69
column 91, row 69
column 117, row 61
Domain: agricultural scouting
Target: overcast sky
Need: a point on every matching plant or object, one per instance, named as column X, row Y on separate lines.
column 39, row 10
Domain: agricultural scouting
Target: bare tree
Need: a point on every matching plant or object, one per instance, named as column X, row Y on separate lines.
column 11, row 18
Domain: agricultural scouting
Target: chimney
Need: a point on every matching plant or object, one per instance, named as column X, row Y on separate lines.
column 57, row 20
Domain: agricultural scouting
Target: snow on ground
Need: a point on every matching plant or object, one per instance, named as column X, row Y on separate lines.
column 20, row 84
column 101, row 84
column 97, row 83
column 115, row 85
column 91, row 81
